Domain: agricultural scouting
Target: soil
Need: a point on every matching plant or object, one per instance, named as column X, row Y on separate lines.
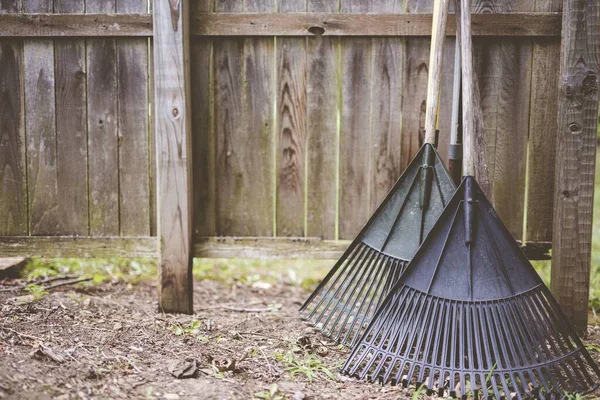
column 110, row 341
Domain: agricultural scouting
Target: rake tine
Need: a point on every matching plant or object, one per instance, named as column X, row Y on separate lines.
column 356, row 269
column 377, row 267
column 359, row 250
column 385, row 279
column 348, row 256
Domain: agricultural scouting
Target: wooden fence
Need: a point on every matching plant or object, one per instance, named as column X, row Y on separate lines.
column 280, row 125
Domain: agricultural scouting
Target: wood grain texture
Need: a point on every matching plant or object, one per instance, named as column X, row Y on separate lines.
column 355, row 24
column 543, row 128
column 575, row 158
column 244, row 109
column 203, row 131
column 416, row 68
column 436, row 59
column 38, row 60
column 322, row 142
column 13, row 175
column 386, row 110
column 173, row 134
column 71, row 128
column 355, row 136
column 78, row 246
column 505, row 77
column 132, row 70
column 291, row 129
column 102, row 125
column 287, row 248
column 75, row 25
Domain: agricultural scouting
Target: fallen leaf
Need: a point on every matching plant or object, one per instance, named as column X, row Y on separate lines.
column 225, row 365
column 187, row 368
column 45, row 351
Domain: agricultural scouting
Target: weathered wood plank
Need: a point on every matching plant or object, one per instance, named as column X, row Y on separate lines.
column 353, row 24
column 244, row 130
column 504, row 78
column 575, row 158
column 292, row 247
column 71, row 128
column 78, row 246
column 132, row 70
column 355, row 136
column 102, row 125
column 386, row 117
column 291, row 129
column 13, row 176
column 543, row 129
column 75, row 25
column 416, row 67
column 38, row 60
column 203, row 130
column 173, row 145
column 322, row 142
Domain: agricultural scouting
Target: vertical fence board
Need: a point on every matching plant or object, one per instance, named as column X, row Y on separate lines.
column 504, row 71
column 543, row 129
column 202, row 70
column 244, row 129
column 355, row 140
column 291, row 129
column 322, row 144
column 134, row 191
column 102, row 125
column 71, row 129
column 386, row 110
column 38, row 60
column 416, row 69
column 575, row 157
column 173, row 134
column 13, row 175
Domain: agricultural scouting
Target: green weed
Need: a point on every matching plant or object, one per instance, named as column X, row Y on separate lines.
column 271, row 394
column 191, row 329
column 38, row 292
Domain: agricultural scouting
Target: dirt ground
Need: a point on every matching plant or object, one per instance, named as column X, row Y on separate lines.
column 244, row 341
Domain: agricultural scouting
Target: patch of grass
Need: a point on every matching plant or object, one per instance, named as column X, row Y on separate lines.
column 310, row 365
column 261, row 273
column 38, row 292
column 101, row 270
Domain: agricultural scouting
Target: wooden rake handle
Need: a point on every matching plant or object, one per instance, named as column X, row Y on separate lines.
column 434, row 78
column 468, row 88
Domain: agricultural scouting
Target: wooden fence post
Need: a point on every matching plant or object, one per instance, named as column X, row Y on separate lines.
column 173, row 146
column 575, row 157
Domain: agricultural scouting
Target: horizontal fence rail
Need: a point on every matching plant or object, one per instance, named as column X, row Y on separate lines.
column 327, row 24
column 297, row 24
column 75, row 25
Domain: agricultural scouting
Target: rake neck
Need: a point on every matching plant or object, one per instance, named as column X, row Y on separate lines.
column 426, row 177
column 469, row 210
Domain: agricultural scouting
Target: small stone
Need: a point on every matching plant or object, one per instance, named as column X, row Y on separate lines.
column 170, row 396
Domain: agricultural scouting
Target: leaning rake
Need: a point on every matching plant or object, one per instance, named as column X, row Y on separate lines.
column 470, row 316
column 345, row 301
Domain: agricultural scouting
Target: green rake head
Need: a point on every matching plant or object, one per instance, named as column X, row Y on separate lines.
column 471, row 316
column 344, row 302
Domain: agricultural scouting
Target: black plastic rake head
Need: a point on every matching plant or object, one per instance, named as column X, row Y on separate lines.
column 344, row 302
column 470, row 316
